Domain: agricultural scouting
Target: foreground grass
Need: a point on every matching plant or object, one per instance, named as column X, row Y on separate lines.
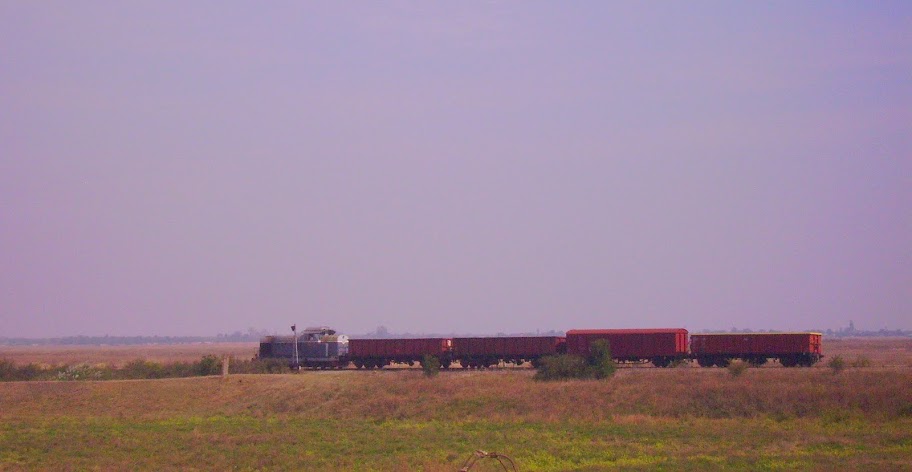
column 764, row 419
column 245, row 442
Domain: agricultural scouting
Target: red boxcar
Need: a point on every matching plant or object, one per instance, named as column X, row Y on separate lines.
column 485, row 352
column 372, row 353
column 661, row 346
column 790, row 349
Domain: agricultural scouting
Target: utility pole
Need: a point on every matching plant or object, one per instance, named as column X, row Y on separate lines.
column 297, row 363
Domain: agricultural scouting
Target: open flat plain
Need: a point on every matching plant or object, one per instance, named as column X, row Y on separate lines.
column 768, row 418
column 120, row 355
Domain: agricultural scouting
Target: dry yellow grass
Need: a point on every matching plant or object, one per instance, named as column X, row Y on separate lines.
column 504, row 395
column 641, row 419
column 883, row 352
column 120, row 355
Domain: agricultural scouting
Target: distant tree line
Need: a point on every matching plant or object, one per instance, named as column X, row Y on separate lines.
column 846, row 332
column 253, row 335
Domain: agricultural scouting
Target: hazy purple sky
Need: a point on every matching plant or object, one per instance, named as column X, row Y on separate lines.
column 202, row 167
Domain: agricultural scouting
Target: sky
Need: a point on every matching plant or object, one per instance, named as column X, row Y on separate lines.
column 192, row 168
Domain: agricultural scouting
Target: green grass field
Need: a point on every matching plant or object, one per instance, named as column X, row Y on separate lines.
column 641, row 419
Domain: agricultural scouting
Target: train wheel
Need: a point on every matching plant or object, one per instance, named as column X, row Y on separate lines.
column 722, row 361
column 704, row 362
column 661, row 362
column 788, row 361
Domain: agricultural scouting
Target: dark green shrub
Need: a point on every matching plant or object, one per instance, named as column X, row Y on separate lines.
column 601, row 363
column 208, row 365
column 430, row 365
column 141, row 369
column 562, row 367
column 29, row 372
column 8, row 370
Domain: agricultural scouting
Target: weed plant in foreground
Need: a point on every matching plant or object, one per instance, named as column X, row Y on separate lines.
column 640, row 419
column 736, row 368
column 837, row 364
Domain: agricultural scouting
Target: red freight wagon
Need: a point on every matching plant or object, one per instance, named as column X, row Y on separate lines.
column 485, row 352
column 790, row 349
column 372, row 353
column 661, row 346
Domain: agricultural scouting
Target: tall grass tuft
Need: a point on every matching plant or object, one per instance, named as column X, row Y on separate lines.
column 257, row 366
column 861, row 362
column 837, row 364
column 737, row 368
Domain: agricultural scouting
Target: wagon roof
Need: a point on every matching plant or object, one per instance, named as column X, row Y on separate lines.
column 757, row 334
column 397, row 339
column 509, row 337
column 628, row 331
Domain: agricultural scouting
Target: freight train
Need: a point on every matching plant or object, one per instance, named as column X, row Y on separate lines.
column 322, row 348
